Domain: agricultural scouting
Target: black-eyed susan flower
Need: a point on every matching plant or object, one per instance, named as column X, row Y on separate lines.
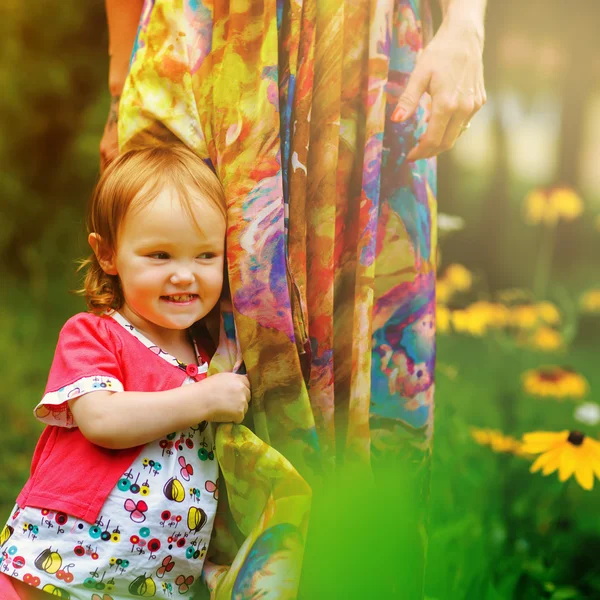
column 551, row 205
column 524, row 316
column 442, row 318
column 590, row 301
column 529, row 317
column 458, row 277
column 555, row 382
column 477, row 318
column 481, row 436
column 497, row 315
column 546, row 339
column 548, row 313
column 497, row 441
column 469, row 322
column 568, row 203
column 443, row 292
column 569, row 452
column 503, row 443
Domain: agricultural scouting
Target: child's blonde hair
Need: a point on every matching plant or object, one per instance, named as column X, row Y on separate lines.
column 149, row 169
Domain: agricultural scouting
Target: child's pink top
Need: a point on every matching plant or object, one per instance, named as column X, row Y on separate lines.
column 91, row 351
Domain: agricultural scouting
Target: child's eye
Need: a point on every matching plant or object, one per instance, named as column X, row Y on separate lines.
column 159, row 255
column 206, row 255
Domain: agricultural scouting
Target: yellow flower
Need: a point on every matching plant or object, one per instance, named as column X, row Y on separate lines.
column 443, row 292
column 503, row 443
column 481, row 436
column 568, row 203
column 537, row 208
column 524, row 316
column 590, row 301
column 470, row 322
column 555, row 382
column 571, row 452
column 497, row 315
column 478, row 317
column 548, row 313
column 546, row 339
column 497, row 441
column 551, row 205
column 458, row 277
column 442, row 319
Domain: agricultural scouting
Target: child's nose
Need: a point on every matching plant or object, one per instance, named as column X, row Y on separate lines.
column 182, row 276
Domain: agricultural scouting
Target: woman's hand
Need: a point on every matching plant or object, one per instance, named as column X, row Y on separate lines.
column 451, row 70
column 109, row 144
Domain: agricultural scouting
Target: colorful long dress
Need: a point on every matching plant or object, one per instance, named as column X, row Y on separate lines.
column 331, row 232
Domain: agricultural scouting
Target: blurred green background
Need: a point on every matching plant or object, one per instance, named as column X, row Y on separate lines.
column 497, row 530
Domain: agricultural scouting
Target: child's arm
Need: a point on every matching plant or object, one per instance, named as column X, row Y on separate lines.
column 119, row 420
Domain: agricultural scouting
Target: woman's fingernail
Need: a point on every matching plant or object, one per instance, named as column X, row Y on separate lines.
column 398, row 114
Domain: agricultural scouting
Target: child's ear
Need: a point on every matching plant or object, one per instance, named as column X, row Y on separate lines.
column 105, row 256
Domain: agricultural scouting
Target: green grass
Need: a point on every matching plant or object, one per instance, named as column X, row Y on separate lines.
column 498, row 531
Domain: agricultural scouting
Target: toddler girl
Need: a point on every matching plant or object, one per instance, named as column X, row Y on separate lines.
column 123, row 487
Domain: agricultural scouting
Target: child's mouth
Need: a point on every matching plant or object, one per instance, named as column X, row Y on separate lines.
column 180, row 298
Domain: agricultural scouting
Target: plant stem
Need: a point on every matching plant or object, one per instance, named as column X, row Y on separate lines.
column 543, row 268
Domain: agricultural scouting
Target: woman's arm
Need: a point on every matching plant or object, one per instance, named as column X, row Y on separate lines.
column 122, row 17
column 119, row 420
column 470, row 13
column 450, row 69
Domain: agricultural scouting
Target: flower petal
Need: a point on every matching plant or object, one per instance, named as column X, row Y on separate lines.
column 592, row 448
column 584, row 475
column 549, row 461
column 553, row 461
column 539, row 463
column 541, row 441
column 568, row 462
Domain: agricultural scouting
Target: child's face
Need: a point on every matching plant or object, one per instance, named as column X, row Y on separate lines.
column 171, row 272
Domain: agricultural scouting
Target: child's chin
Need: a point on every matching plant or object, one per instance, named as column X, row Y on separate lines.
column 182, row 322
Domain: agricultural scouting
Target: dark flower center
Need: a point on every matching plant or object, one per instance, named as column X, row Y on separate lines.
column 550, row 375
column 576, row 438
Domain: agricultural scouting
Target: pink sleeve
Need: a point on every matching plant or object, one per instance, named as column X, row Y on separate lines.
column 87, row 359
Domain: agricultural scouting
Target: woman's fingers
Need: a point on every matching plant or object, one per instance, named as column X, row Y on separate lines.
column 480, row 100
column 431, row 141
column 448, row 121
column 417, row 85
column 456, row 127
column 450, row 69
column 457, row 124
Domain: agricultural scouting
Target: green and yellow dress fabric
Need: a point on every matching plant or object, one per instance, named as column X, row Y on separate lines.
column 331, row 243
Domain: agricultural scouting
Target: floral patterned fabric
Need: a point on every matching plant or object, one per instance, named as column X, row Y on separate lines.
column 154, row 528
column 331, row 233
